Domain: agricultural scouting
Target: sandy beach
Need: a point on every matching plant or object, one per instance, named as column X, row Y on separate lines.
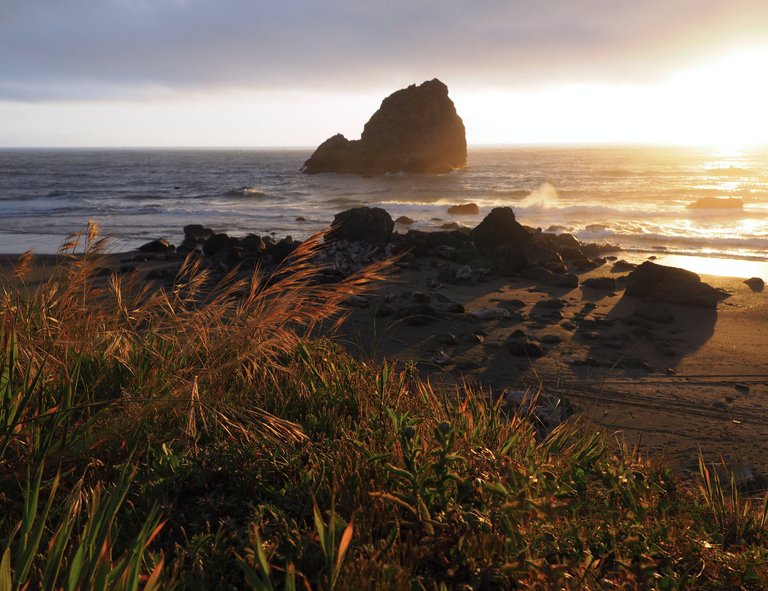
column 672, row 387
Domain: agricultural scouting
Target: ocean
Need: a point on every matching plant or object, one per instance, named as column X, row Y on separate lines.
column 636, row 197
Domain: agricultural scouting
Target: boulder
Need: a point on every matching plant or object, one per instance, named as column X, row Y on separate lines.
column 415, row 130
column 362, row 224
column 216, row 243
column 499, row 228
column 404, row 220
column 672, row 285
column 755, row 283
column 160, row 245
column 464, row 209
column 197, row 232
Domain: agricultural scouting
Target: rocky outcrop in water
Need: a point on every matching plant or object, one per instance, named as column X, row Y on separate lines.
column 415, row 130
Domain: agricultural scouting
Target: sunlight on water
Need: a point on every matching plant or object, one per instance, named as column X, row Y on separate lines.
column 716, row 266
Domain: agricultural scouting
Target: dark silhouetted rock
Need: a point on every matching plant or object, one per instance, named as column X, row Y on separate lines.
column 464, row 209
column 160, row 245
column 415, row 130
column 755, row 283
column 197, row 232
column 216, row 243
column 499, row 228
column 404, row 220
column 362, row 224
column 672, row 285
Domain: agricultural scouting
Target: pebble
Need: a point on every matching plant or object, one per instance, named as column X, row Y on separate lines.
column 441, row 358
column 490, row 313
column 742, row 388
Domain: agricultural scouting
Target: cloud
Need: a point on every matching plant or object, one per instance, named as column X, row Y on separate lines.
column 92, row 49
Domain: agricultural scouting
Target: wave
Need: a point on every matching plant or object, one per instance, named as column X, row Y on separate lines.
column 245, row 192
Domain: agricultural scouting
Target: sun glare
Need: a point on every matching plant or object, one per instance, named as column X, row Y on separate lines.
column 719, row 104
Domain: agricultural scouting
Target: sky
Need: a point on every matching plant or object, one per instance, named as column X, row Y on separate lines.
column 294, row 72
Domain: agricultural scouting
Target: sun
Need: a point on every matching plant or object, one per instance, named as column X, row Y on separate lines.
column 722, row 103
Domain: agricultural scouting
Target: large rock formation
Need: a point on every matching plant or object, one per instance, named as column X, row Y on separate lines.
column 672, row 285
column 416, row 130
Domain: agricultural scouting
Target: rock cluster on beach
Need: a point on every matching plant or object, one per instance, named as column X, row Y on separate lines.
column 416, row 130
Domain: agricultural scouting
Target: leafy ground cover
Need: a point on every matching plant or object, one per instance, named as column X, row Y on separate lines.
column 202, row 436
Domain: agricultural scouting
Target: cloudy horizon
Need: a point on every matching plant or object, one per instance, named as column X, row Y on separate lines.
column 195, row 72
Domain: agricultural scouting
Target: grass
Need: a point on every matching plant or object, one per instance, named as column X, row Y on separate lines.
column 204, row 436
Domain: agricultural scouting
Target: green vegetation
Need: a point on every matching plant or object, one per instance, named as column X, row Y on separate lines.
column 199, row 437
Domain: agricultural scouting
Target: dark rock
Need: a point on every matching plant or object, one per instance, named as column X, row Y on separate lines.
column 301, row 218
column 550, row 339
column 283, row 249
column 450, row 226
column 161, row 245
column 622, row 266
column 464, row 209
column 197, row 232
column 254, row 244
column 672, row 285
column 362, row 224
column 540, row 255
column 510, row 260
column 216, row 244
column 755, row 283
column 600, row 283
column 742, row 388
column 568, row 280
column 404, row 220
column 419, row 315
column 415, row 130
column 499, row 228
column 524, row 348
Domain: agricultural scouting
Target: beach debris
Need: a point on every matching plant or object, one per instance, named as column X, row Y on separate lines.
column 490, row 313
column 464, row 209
column 415, row 130
column 670, row 371
column 755, row 283
column 546, row 409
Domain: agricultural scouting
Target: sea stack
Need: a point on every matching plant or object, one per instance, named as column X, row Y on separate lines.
column 415, row 130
